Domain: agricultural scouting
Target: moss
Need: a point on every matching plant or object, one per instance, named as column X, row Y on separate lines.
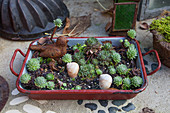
column 25, row 78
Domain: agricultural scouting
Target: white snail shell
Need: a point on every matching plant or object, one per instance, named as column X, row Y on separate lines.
column 105, row 81
column 72, row 69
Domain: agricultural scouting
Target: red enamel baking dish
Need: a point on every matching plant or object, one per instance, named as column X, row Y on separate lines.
column 93, row 94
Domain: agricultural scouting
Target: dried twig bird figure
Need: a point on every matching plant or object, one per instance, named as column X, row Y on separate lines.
column 55, row 50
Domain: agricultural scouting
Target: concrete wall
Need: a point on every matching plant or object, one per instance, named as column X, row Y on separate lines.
column 152, row 8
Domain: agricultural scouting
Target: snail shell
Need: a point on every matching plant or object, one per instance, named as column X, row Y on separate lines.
column 72, row 69
column 105, row 81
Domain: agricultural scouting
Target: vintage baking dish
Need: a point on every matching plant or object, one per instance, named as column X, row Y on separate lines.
column 85, row 94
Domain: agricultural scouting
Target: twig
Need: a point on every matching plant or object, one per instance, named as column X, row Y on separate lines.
column 101, row 5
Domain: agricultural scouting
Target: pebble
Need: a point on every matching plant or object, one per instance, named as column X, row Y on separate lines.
column 101, row 111
column 42, row 101
column 113, row 109
column 31, row 109
column 50, row 111
column 13, row 111
column 80, row 102
column 15, row 92
column 103, row 103
column 118, row 102
column 129, row 107
column 19, row 100
column 91, row 106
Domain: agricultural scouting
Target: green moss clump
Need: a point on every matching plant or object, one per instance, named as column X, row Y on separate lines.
column 112, row 70
column 162, row 26
column 33, row 64
column 122, row 69
column 131, row 33
column 25, row 78
column 136, row 81
column 50, row 76
column 126, row 83
column 131, row 53
column 67, row 58
column 40, row 82
column 117, row 80
column 50, row 85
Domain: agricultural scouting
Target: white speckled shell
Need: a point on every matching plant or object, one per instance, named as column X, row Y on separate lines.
column 72, row 69
column 105, row 81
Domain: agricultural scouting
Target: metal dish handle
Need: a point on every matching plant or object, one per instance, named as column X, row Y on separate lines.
column 12, row 61
column 157, row 57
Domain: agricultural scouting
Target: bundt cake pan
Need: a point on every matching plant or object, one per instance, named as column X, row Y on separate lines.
column 30, row 19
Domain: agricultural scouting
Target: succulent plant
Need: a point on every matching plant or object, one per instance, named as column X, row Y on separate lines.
column 40, row 82
column 121, row 40
column 40, row 59
column 107, row 46
column 79, row 47
column 99, row 72
column 87, row 70
column 132, row 46
column 116, row 57
column 77, row 56
column 112, row 70
column 131, row 53
column 117, row 80
column 131, row 33
column 122, row 69
column 81, row 62
column 25, row 78
column 67, row 58
column 126, row 43
column 58, row 22
column 33, row 64
column 95, row 61
column 105, row 57
column 93, row 45
column 126, row 83
column 50, row 85
column 78, row 87
column 136, row 81
column 50, row 76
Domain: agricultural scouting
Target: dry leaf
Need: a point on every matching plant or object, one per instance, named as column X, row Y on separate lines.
column 108, row 26
column 77, row 25
column 109, row 11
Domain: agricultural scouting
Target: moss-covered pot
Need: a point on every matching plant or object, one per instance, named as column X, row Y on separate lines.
column 162, row 47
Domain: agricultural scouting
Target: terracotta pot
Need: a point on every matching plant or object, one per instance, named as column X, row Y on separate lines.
column 162, row 47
